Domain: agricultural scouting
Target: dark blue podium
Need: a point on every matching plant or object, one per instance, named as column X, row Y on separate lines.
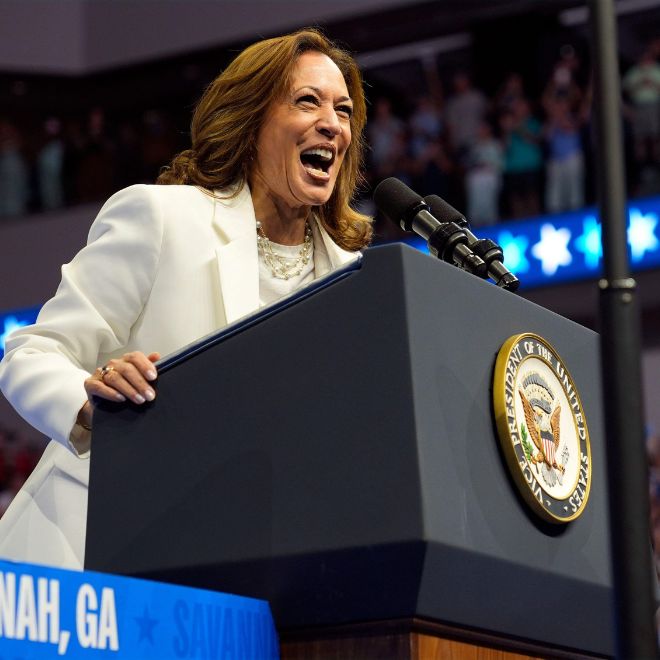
column 339, row 459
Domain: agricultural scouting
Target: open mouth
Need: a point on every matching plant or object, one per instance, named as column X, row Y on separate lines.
column 317, row 161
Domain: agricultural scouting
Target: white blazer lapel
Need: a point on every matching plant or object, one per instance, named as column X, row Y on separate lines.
column 334, row 255
column 238, row 264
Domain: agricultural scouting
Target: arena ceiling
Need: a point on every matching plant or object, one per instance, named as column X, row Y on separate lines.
column 78, row 37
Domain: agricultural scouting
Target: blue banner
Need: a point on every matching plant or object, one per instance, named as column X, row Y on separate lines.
column 50, row 613
column 567, row 247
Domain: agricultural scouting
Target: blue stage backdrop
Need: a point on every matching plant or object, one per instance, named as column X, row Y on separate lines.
column 542, row 251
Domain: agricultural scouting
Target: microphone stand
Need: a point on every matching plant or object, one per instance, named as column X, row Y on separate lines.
column 449, row 241
column 620, row 356
column 486, row 249
column 445, row 230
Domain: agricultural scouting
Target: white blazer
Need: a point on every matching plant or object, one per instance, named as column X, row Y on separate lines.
column 163, row 266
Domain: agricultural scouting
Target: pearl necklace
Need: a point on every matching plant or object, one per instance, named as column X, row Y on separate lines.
column 284, row 268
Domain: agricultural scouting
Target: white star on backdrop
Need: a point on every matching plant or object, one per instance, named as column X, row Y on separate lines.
column 552, row 250
column 641, row 236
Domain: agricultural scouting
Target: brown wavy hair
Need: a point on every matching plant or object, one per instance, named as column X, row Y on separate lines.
column 228, row 117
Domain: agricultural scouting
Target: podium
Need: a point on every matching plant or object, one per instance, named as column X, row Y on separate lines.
column 340, row 460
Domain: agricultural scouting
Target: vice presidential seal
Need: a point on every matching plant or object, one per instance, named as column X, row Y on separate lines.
column 541, row 427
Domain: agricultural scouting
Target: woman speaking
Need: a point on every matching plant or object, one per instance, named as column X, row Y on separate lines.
column 257, row 207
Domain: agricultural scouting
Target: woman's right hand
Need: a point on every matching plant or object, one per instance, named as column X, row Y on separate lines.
column 127, row 377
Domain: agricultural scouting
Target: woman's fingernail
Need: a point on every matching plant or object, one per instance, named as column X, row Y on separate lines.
column 151, row 374
column 138, row 398
column 120, row 397
column 149, row 394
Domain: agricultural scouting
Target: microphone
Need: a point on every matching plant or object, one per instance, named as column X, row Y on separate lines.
column 446, row 240
column 488, row 250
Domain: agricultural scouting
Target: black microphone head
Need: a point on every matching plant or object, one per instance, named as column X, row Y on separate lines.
column 399, row 203
column 445, row 212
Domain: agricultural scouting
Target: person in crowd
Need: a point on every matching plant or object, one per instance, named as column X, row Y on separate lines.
column 430, row 162
column 564, row 186
column 483, row 178
column 259, row 205
column 9, row 492
column 563, row 84
column 158, row 143
column 433, row 169
column 96, row 173
column 523, row 160
column 466, row 109
column 75, row 144
column 642, row 85
column 426, row 125
column 14, row 174
column 387, row 135
column 511, row 91
column 400, row 162
column 18, row 457
column 128, row 155
column 49, row 166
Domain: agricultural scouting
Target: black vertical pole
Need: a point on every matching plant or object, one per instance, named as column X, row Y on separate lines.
column 620, row 355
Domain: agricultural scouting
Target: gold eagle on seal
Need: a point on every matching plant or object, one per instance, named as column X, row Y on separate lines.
column 542, row 418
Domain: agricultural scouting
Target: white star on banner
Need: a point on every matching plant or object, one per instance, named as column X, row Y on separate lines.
column 552, row 250
column 641, row 236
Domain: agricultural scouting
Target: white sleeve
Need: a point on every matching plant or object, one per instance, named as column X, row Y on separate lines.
column 101, row 295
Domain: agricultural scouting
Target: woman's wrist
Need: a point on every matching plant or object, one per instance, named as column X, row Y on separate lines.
column 84, row 418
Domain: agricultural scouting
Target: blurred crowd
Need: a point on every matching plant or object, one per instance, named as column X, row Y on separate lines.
column 509, row 155
column 504, row 155
column 18, row 457
column 80, row 159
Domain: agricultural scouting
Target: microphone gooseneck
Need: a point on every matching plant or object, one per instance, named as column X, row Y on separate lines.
column 446, row 240
column 488, row 250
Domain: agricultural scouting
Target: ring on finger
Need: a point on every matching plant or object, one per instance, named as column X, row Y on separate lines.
column 105, row 370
